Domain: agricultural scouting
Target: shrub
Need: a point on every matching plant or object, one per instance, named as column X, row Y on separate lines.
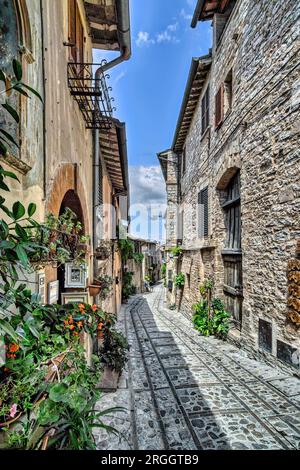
column 210, row 316
column 180, row 280
column 176, row 251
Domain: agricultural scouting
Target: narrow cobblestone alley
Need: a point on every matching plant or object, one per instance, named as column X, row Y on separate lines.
column 182, row 391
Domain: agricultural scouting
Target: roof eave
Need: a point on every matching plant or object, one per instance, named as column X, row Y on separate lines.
column 197, row 13
column 196, row 62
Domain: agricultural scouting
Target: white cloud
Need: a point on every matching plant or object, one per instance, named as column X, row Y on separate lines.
column 144, row 39
column 147, row 184
column 119, row 77
column 147, row 202
column 185, row 15
column 173, row 27
column 167, row 35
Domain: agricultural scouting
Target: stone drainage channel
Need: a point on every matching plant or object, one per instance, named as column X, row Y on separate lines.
column 182, row 391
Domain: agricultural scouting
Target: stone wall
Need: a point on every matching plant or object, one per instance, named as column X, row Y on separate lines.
column 260, row 136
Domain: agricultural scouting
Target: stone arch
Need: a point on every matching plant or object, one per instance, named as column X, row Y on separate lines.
column 226, row 171
column 226, row 177
column 66, row 179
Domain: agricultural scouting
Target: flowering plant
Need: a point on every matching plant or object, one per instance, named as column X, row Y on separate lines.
column 85, row 317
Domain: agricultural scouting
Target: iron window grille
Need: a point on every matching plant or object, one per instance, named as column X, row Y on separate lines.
column 203, row 209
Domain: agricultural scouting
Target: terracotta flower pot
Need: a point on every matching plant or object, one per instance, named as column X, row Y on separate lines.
column 94, row 290
column 109, row 380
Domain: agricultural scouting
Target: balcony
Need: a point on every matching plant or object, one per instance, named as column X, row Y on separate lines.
column 92, row 96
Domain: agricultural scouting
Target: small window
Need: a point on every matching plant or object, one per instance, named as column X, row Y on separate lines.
column 203, row 213
column 219, row 106
column 205, row 111
column 228, row 93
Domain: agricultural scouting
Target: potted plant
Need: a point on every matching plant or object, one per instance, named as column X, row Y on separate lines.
column 103, row 251
column 95, row 288
column 113, row 357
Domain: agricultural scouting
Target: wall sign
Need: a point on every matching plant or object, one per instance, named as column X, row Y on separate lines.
column 74, row 298
column 53, row 292
column 75, row 276
column 42, row 287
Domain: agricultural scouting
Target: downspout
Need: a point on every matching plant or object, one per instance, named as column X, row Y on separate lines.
column 44, row 104
column 124, row 38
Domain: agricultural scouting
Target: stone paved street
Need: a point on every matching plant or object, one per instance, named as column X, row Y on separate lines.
column 182, row 391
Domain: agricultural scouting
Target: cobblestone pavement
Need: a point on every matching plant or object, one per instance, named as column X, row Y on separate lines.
column 182, row 391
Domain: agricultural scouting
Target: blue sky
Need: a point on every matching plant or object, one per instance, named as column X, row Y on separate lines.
column 148, row 89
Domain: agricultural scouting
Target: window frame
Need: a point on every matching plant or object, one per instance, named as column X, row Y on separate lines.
column 203, row 202
column 219, row 106
column 232, row 208
column 205, row 111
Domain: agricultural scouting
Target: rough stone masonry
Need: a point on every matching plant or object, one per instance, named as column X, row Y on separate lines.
column 256, row 61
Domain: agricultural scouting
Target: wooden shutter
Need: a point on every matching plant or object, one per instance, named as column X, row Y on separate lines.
column 72, row 21
column 79, row 38
column 72, row 28
column 203, row 207
column 219, row 105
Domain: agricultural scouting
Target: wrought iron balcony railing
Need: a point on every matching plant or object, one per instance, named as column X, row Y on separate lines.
column 92, row 95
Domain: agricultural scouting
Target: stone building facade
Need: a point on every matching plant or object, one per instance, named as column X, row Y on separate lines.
column 151, row 263
column 63, row 159
column 236, row 153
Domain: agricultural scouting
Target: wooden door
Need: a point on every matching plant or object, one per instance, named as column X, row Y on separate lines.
column 232, row 253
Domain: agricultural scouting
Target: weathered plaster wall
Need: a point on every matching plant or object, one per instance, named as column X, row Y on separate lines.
column 67, row 139
column 27, row 162
column 261, row 137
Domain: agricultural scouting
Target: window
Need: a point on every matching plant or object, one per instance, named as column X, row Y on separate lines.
column 76, row 33
column 232, row 207
column 205, row 111
column 228, row 93
column 219, row 106
column 203, row 213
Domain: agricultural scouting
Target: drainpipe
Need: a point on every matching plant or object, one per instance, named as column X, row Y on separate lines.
column 124, row 38
column 44, row 104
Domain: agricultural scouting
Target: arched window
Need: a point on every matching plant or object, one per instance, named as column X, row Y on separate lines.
column 9, row 34
column 232, row 253
column 9, row 50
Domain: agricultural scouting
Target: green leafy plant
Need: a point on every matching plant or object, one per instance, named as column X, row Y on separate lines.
column 106, row 283
column 180, row 280
column 138, row 257
column 128, row 288
column 210, row 317
column 37, row 337
column 127, row 249
column 114, row 351
column 176, row 251
column 13, row 84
